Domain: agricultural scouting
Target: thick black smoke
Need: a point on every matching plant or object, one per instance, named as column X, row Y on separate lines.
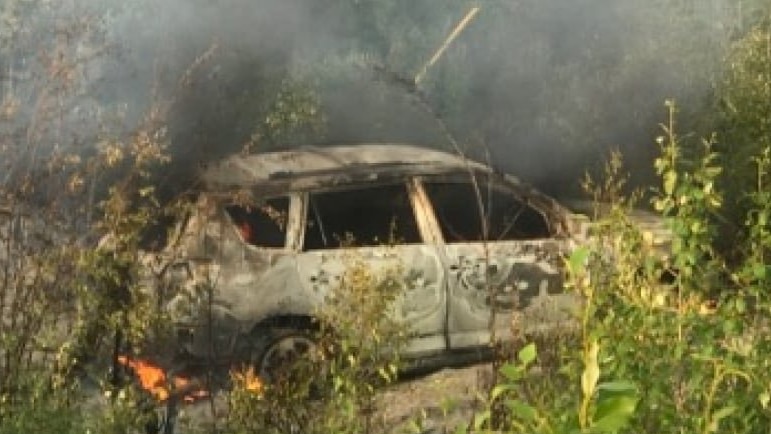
column 545, row 87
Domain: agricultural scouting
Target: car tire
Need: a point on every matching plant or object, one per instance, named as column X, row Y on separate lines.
column 278, row 351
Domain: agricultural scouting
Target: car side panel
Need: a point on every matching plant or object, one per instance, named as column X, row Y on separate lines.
column 415, row 268
column 522, row 282
column 230, row 285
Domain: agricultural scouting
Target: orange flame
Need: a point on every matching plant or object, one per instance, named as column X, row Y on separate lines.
column 247, row 379
column 153, row 379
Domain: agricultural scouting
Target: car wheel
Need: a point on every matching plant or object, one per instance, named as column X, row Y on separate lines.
column 285, row 354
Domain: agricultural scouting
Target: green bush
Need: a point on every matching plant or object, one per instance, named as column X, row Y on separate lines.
column 333, row 389
column 686, row 354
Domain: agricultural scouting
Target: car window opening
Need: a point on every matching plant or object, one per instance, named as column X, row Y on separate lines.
column 262, row 225
column 372, row 216
column 456, row 205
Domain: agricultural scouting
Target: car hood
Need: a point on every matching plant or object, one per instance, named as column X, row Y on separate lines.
column 653, row 227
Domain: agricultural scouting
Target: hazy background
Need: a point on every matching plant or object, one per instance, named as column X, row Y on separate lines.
column 545, row 87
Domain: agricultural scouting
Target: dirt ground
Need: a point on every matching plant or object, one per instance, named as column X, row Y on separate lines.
column 433, row 403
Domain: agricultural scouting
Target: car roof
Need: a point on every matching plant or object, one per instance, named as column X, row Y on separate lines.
column 328, row 161
column 311, row 167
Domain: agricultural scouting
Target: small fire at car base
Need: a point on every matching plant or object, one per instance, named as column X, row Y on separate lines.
column 153, row 379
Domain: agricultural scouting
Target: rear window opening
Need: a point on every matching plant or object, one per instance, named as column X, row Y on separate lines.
column 263, row 224
column 372, row 216
column 457, row 208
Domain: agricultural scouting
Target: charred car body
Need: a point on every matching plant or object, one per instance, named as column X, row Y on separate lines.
column 270, row 237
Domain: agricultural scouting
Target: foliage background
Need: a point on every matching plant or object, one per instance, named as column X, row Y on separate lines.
column 109, row 108
column 526, row 80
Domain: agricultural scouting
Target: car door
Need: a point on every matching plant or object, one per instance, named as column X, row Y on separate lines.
column 504, row 262
column 230, row 258
column 377, row 226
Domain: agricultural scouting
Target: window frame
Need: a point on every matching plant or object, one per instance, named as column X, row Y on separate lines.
column 425, row 231
column 484, row 179
column 290, row 238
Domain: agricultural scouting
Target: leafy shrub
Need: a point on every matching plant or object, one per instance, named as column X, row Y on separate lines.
column 332, row 389
column 689, row 350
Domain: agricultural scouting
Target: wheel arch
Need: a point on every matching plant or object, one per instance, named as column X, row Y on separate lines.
column 290, row 321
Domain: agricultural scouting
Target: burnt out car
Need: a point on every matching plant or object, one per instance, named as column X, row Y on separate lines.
column 272, row 233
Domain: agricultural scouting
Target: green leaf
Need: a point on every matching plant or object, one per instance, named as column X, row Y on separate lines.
column 577, row 260
column 383, row 374
column 511, row 371
column 660, row 163
column 480, row 419
column 714, row 421
column 696, row 227
column 521, row 410
column 499, row 389
column 617, row 386
column 527, row 354
column 670, row 180
column 461, row 429
column 740, row 305
column 661, row 204
column 759, row 271
column 764, row 399
column 713, row 171
column 762, row 218
column 613, row 413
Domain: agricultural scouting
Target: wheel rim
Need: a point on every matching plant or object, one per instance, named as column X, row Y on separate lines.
column 283, row 354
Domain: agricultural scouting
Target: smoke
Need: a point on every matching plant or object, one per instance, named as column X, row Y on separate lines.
column 542, row 88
